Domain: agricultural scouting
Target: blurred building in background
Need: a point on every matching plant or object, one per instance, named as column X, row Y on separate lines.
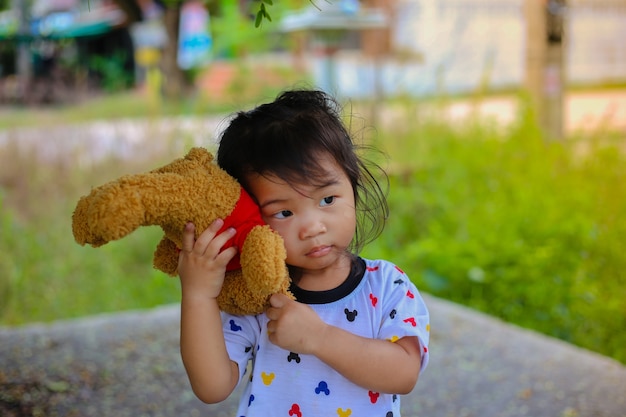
column 425, row 47
column 55, row 47
column 457, row 46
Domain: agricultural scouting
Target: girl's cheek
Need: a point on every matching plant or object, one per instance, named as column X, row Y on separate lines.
column 287, row 241
column 278, row 229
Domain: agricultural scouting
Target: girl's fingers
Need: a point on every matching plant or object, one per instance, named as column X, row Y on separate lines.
column 227, row 254
column 220, row 240
column 188, row 237
column 209, row 243
column 207, row 236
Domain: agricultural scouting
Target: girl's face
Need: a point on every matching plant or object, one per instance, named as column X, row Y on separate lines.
column 317, row 223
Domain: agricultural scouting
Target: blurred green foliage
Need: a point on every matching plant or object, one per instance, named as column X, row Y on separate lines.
column 236, row 35
column 531, row 231
column 44, row 274
column 493, row 217
column 110, row 69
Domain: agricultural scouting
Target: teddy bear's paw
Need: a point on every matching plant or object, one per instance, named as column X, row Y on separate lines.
column 263, row 261
column 236, row 298
column 80, row 226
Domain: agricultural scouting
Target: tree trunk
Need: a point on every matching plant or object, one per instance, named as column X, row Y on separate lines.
column 173, row 76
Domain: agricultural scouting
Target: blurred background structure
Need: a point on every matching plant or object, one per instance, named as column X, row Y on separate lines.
column 427, row 47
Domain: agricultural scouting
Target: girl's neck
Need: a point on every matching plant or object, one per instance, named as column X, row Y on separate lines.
column 325, row 279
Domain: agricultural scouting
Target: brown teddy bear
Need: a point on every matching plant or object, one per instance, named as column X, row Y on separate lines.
column 191, row 189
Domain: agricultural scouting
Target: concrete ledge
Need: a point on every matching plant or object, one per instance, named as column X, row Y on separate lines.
column 128, row 364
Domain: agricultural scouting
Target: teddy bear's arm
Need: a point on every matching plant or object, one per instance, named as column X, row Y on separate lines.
column 116, row 209
column 166, row 257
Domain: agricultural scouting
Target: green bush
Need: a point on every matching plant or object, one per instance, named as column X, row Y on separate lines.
column 507, row 223
column 45, row 275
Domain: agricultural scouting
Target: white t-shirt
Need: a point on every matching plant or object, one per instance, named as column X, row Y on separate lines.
column 377, row 301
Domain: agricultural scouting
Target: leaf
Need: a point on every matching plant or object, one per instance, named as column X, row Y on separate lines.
column 263, row 13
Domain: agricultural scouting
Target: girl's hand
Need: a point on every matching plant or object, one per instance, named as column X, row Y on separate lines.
column 294, row 326
column 201, row 265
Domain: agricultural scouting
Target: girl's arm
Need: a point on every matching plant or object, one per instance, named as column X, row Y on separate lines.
column 213, row 376
column 378, row 365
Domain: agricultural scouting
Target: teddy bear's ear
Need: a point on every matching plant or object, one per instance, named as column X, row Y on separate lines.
column 200, row 155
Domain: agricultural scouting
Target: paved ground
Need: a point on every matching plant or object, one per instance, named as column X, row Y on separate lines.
column 128, row 364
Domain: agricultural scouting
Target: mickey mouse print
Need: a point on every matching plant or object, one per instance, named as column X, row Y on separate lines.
column 376, row 301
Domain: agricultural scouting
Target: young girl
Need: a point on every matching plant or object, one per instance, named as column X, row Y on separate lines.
column 357, row 335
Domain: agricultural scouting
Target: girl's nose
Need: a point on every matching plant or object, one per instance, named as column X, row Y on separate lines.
column 312, row 229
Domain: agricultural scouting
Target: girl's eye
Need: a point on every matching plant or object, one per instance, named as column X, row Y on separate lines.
column 327, row 201
column 283, row 214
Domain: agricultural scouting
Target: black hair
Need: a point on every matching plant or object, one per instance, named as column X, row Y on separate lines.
column 286, row 137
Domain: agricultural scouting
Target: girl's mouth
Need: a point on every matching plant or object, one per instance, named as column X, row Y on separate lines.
column 319, row 251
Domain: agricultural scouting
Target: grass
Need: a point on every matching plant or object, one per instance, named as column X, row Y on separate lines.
column 110, row 107
column 493, row 217
column 508, row 223
column 44, row 274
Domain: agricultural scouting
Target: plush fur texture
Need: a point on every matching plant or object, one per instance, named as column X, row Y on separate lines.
column 191, row 189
